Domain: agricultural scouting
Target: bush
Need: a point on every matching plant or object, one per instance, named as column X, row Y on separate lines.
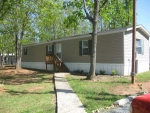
column 102, row 72
column 78, row 71
column 113, row 72
column 81, row 71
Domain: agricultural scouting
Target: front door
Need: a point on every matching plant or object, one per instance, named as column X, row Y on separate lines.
column 58, row 51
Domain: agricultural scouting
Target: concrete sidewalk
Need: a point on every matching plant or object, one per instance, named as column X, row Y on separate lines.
column 67, row 100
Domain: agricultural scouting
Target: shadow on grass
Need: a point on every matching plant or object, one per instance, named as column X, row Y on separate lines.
column 13, row 92
column 19, row 79
column 104, row 99
column 106, row 96
column 100, row 81
column 64, row 91
column 117, row 82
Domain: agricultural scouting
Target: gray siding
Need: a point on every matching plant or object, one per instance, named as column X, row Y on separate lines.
column 35, row 53
column 70, row 51
column 109, row 50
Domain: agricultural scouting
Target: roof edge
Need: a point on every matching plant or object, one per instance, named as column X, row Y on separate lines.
column 141, row 28
column 118, row 30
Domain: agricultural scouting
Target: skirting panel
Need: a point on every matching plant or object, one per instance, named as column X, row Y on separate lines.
column 36, row 65
column 99, row 66
column 141, row 66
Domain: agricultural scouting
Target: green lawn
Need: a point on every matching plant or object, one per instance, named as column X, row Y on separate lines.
column 143, row 77
column 99, row 94
column 27, row 94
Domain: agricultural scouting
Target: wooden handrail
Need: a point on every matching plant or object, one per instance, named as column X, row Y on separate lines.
column 49, row 59
column 52, row 57
column 55, row 60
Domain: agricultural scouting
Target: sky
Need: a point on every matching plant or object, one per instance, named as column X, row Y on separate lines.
column 143, row 13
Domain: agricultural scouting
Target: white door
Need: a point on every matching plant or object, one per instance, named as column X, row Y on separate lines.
column 58, row 51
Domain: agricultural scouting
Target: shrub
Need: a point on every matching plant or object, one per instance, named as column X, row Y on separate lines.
column 81, row 71
column 113, row 72
column 78, row 71
column 102, row 72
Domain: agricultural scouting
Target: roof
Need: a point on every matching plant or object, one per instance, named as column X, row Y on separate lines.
column 118, row 30
column 146, row 32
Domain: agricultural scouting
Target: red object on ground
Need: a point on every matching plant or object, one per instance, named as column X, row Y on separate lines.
column 141, row 104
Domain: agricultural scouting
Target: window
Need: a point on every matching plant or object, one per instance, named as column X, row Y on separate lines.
column 139, row 46
column 85, row 47
column 25, row 51
column 58, row 50
column 49, row 49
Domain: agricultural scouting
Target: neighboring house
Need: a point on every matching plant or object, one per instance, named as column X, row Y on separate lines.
column 114, row 52
column 8, row 59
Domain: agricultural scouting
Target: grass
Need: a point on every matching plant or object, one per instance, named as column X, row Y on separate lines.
column 27, row 94
column 35, row 93
column 99, row 94
column 143, row 77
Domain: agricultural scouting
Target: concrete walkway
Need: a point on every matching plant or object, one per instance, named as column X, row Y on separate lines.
column 67, row 100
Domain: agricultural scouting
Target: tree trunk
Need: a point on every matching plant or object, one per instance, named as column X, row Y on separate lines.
column 2, row 63
column 94, row 41
column 16, row 50
column 8, row 58
column 1, row 58
column 19, row 55
column 11, row 62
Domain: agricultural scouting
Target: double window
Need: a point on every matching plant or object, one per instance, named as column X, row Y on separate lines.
column 85, row 47
column 139, row 46
column 25, row 51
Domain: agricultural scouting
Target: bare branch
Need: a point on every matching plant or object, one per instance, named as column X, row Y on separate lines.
column 87, row 14
column 104, row 3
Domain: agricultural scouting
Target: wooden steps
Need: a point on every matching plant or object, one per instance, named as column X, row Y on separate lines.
column 57, row 63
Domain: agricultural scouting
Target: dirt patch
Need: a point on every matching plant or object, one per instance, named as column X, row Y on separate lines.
column 18, row 71
column 16, row 77
column 2, row 90
column 131, row 89
column 127, row 89
column 36, row 88
column 18, row 81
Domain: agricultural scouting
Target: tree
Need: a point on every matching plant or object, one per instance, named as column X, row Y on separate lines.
column 92, row 14
column 6, row 43
column 104, row 15
column 5, row 7
column 94, row 20
column 116, row 14
column 17, row 22
column 52, row 21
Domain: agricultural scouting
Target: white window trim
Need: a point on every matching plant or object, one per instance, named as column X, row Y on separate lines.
column 140, row 46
